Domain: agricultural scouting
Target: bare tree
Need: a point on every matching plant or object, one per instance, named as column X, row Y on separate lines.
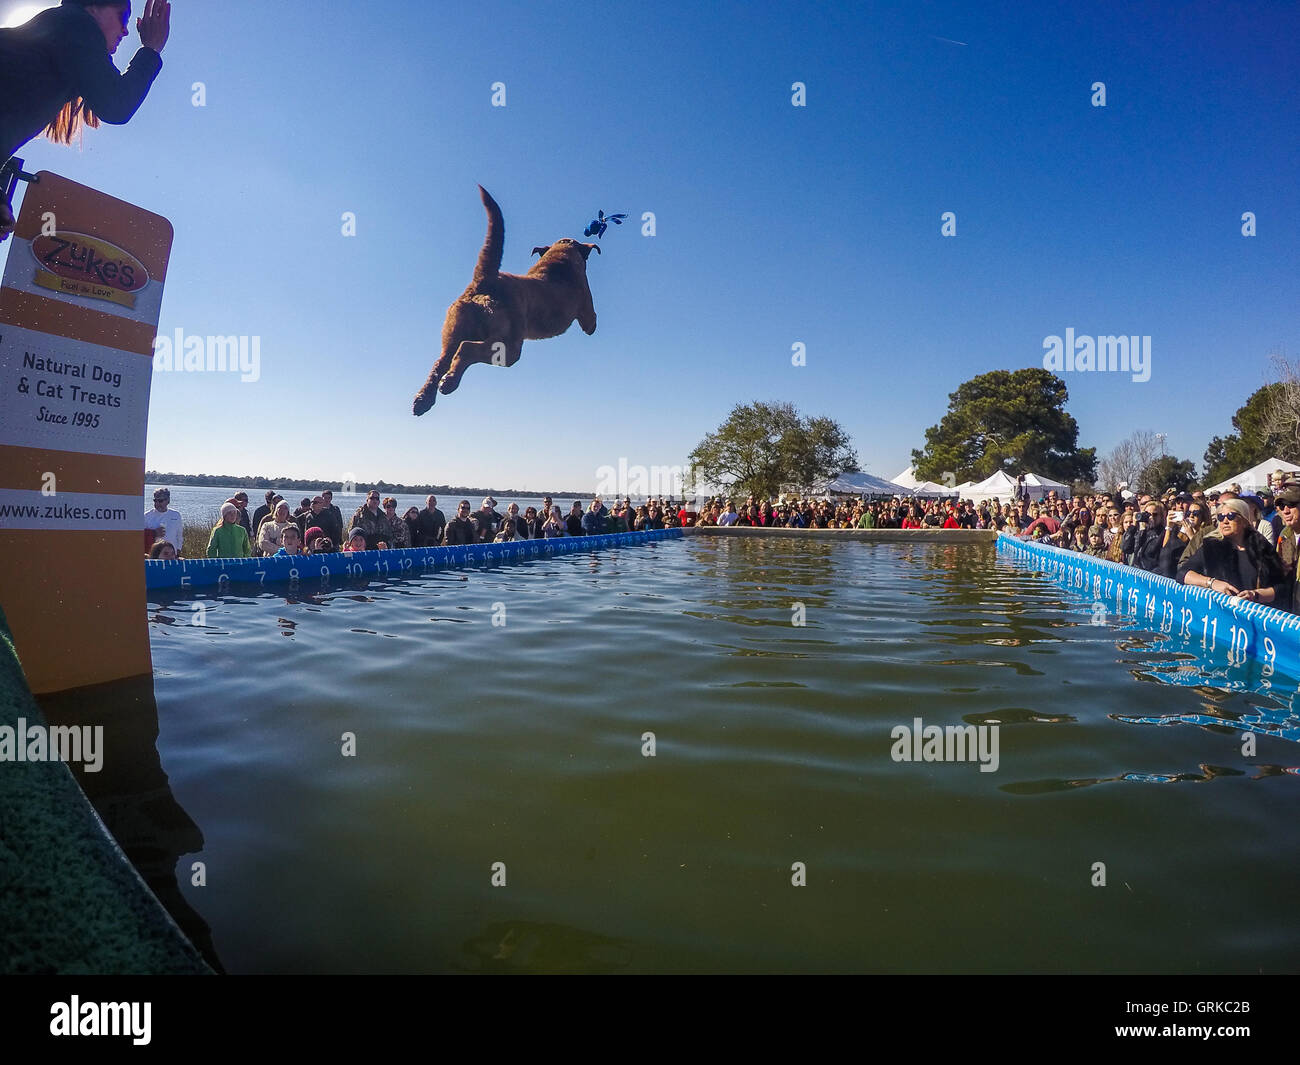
column 1281, row 418
column 1129, row 458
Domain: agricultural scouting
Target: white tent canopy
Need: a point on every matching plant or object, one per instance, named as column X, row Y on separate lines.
column 1255, row 478
column 1037, row 480
column 997, row 485
column 1002, row 486
column 861, row 484
column 907, row 479
column 929, row 488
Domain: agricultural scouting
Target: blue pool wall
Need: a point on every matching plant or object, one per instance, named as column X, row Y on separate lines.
column 1211, row 621
column 208, row 572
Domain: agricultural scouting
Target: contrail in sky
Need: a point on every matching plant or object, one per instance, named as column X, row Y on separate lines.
column 949, row 40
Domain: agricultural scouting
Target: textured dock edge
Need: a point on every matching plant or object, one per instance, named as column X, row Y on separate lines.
column 70, row 901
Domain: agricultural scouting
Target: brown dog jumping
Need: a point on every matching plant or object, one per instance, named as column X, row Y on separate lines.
column 498, row 312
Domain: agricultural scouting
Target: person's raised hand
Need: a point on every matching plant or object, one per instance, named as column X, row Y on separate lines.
column 154, row 25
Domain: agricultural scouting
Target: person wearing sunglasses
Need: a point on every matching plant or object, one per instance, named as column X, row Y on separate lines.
column 370, row 521
column 461, row 530
column 1240, row 562
column 1145, row 537
column 1288, row 541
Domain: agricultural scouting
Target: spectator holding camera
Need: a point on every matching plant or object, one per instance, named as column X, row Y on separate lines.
column 1144, row 538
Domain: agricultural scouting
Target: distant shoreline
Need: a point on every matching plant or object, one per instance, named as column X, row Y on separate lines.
column 306, row 484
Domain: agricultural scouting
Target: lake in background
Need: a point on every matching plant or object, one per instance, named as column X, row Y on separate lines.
column 521, row 743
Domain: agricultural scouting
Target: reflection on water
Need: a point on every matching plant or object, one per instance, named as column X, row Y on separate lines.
column 521, row 743
column 131, row 792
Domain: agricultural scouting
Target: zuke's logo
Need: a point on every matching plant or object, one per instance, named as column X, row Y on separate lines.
column 87, row 266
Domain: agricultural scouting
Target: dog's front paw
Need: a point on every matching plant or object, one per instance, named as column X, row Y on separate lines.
column 424, row 401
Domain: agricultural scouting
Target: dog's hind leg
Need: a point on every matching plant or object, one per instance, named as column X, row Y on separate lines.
column 462, row 319
column 496, row 352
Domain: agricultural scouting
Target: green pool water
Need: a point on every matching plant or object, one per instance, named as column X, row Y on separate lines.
column 771, row 674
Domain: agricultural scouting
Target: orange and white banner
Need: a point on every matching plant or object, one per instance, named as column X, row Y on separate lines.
column 79, row 308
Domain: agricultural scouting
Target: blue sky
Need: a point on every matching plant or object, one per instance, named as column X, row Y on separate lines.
column 775, row 224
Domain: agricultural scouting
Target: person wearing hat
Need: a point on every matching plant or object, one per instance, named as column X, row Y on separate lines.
column 165, row 524
column 56, row 76
column 229, row 540
column 1268, row 515
column 1256, row 505
column 314, row 535
column 1096, row 545
column 1288, row 542
column 1240, row 563
column 486, row 519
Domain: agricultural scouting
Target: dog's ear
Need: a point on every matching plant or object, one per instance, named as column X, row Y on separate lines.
column 540, row 251
column 587, row 249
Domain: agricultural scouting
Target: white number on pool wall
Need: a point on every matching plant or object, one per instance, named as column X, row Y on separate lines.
column 1209, row 630
column 1237, row 646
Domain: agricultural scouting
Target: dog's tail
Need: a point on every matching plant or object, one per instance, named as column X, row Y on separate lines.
column 489, row 259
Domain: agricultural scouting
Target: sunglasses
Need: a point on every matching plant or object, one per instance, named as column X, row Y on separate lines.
column 1229, row 516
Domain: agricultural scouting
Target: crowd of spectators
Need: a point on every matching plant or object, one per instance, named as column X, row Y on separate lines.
column 1241, row 544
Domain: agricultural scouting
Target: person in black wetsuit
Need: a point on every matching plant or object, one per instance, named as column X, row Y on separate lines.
column 56, row 76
